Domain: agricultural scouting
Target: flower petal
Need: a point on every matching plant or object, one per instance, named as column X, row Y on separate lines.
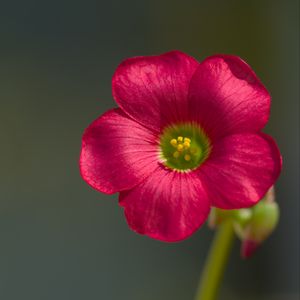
column 153, row 89
column 226, row 97
column 240, row 170
column 168, row 205
column 117, row 153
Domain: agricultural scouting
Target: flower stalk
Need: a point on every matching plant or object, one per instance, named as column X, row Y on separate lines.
column 216, row 262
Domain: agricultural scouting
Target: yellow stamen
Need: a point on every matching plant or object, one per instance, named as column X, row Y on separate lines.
column 173, row 142
column 180, row 147
column 187, row 140
column 176, row 154
column 187, row 157
column 180, row 139
column 186, row 145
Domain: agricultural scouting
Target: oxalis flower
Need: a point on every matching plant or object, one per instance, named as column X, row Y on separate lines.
column 187, row 136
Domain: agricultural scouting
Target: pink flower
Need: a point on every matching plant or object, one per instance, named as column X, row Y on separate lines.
column 187, row 136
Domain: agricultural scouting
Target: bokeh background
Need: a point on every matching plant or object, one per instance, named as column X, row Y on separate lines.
column 62, row 240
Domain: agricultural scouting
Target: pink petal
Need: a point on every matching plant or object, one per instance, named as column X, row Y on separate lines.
column 117, row 153
column 153, row 89
column 168, row 205
column 240, row 170
column 227, row 97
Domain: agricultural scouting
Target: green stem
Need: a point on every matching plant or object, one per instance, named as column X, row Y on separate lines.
column 216, row 262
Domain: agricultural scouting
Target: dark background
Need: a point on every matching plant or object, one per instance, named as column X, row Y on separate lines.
column 62, row 240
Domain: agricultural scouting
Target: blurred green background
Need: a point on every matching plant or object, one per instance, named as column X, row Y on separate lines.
column 62, row 240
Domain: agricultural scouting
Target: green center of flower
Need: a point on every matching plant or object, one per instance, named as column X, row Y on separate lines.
column 184, row 146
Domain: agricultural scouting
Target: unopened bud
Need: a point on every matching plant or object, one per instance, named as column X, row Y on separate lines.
column 264, row 219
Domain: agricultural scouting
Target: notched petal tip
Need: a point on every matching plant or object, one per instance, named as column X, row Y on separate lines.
column 153, row 89
column 227, row 97
column 239, row 68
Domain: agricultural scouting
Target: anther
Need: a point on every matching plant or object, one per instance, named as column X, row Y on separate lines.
column 173, row 142
column 186, row 145
column 187, row 157
column 180, row 139
column 180, row 147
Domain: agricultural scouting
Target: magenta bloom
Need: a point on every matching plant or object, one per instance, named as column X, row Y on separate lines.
column 187, row 136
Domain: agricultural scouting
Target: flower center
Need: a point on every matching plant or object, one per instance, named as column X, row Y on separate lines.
column 184, row 146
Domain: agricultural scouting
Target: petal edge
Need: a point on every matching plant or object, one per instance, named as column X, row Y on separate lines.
column 226, row 97
column 117, row 153
column 241, row 169
column 153, row 90
column 168, row 206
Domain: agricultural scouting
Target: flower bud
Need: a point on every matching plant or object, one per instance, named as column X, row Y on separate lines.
column 265, row 216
